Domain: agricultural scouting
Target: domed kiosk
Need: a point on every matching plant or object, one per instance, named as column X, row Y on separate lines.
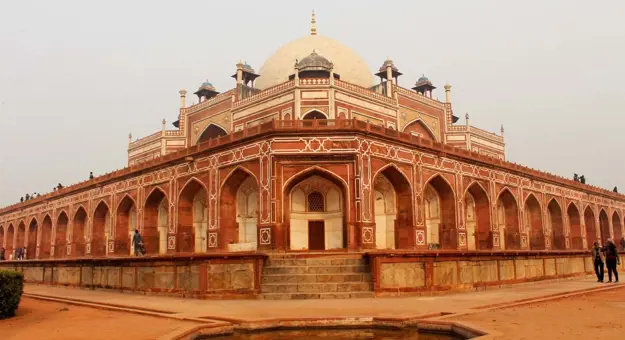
column 347, row 63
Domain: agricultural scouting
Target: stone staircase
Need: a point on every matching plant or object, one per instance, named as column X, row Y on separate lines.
column 287, row 277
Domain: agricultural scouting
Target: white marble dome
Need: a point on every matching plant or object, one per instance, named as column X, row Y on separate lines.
column 347, row 63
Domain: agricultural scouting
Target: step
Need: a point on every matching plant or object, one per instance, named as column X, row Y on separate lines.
column 306, row 296
column 315, row 288
column 319, row 278
column 316, row 261
column 315, row 269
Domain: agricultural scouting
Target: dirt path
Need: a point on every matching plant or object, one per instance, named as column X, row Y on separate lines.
column 43, row 320
column 592, row 316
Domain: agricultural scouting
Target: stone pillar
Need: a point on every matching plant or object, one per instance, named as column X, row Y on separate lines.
column 447, row 93
column 183, row 98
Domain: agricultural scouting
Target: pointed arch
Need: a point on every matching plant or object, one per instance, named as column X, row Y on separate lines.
column 297, row 222
column 20, row 237
column 79, row 237
column 211, row 131
column 440, row 213
column 477, row 217
column 508, row 232
column 45, row 243
column 556, row 221
column 2, row 240
column 402, row 227
column 575, row 226
column 125, row 225
column 314, row 114
column 10, row 238
column 591, row 227
column 61, row 237
column 604, row 226
column 192, row 230
column 534, row 222
column 233, row 201
column 419, row 128
column 31, row 238
column 617, row 227
column 101, row 230
column 155, row 221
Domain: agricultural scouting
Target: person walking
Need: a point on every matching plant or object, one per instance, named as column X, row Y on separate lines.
column 611, row 259
column 598, row 260
column 137, row 243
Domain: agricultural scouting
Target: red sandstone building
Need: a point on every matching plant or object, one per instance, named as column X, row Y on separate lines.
column 312, row 154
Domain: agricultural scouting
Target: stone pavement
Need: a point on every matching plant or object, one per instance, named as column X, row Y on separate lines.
column 259, row 310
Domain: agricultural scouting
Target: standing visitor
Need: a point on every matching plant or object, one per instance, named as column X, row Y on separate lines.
column 623, row 243
column 611, row 259
column 137, row 242
column 2, row 254
column 597, row 259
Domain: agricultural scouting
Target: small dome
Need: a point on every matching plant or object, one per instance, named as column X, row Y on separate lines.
column 314, row 62
column 207, row 85
column 248, row 68
column 423, row 78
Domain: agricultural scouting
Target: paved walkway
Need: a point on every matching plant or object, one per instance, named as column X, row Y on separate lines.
column 258, row 310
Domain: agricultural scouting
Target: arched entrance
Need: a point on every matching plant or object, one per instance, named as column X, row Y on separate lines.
column 314, row 209
column 192, row 218
column 591, row 227
column 20, row 240
column 617, row 227
column 212, row 131
column 556, row 225
column 31, row 240
column 125, row 226
column 575, row 227
column 393, row 210
column 78, row 232
column 9, row 241
column 604, row 226
column 238, row 212
column 314, row 115
column 101, row 232
column 534, row 223
column 2, row 240
column 477, row 217
column 46, row 238
column 60, row 239
column 418, row 128
column 156, row 222
column 440, row 214
column 508, row 221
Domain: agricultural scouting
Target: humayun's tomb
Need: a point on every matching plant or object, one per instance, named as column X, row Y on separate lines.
column 313, row 177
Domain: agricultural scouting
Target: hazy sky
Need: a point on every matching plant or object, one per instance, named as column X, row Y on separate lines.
column 77, row 76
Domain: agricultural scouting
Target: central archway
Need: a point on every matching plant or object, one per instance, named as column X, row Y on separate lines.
column 591, row 227
column 101, row 232
column 508, row 221
column 125, row 226
column 78, row 232
column 604, row 226
column 477, row 216
column 60, row 240
column 575, row 227
column 10, row 250
column 418, row 128
column 31, row 239
column 534, row 223
column 238, row 212
column 212, row 131
column 45, row 245
column 20, row 239
column 192, row 218
column 314, row 211
column 156, row 222
column 440, row 214
column 393, row 210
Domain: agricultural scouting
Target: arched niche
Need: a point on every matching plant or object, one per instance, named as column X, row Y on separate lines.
column 192, row 218
column 31, row 239
column 60, row 239
column 20, row 239
column 315, row 212
column 440, row 214
column 46, row 238
column 617, row 228
column 534, row 223
column 125, row 226
column 10, row 236
column 418, row 128
column 393, row 214
column 477, row 217
column 314, row 115
column 591, row 227
column 556, row 225
column 212, row 131
column 155, row 222
column 79, row 237
column 238, row 211
column 604, row 226
column 101, row 231
column 575, row 227
column 508, row 221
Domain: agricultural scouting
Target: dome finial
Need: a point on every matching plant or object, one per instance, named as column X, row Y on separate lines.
column 313, row 24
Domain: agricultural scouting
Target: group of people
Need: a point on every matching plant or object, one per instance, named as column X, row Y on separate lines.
column 606, row 255
column 17, row 254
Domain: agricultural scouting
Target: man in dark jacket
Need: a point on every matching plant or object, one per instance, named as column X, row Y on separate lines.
column 611, row 259
column 137, row 243
column 598, row 260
